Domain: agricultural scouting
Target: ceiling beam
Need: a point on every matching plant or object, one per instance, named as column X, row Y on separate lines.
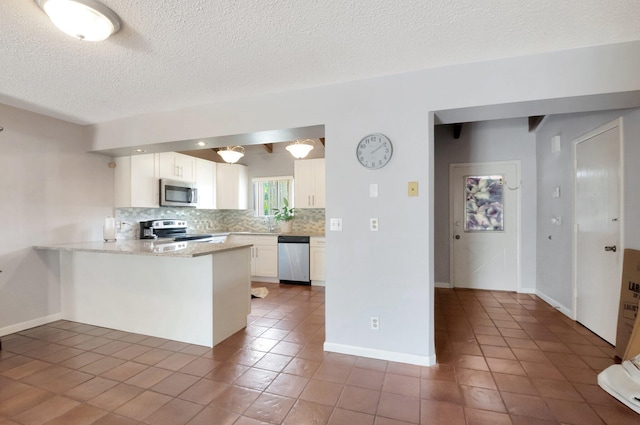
column 534, row 122
column 457, row 129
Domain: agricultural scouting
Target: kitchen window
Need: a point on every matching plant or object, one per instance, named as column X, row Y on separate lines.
column 269, row 192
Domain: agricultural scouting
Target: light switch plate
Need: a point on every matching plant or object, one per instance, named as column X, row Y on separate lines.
column 412, row 189
column 555, row 144
column 373, row 190
column 335, row 224
column 556, row 192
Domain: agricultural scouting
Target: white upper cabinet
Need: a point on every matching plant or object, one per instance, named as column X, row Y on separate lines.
column 309, row 183
column 136, row 181
column 232, row 187
column 206, row 180
column 137, row 178
column 177, row 166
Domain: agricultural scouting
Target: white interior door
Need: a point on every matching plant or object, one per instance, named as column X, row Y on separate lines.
column 598, row 208
column 485, row 225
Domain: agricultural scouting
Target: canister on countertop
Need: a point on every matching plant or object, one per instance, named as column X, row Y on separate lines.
column 109, row 229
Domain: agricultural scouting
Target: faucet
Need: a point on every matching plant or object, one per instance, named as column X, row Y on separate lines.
column 270, row 224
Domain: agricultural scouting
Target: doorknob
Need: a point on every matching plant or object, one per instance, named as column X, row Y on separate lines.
column 610, row 248
column 457, row 236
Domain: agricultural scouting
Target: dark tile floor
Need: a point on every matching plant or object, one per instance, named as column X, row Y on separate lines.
column 503, row 358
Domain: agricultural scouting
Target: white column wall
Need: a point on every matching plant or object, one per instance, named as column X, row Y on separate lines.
column 51, row 191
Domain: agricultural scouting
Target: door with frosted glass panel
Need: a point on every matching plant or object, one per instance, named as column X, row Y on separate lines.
column 484, row 225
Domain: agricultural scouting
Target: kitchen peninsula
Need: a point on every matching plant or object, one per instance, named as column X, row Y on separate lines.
column 199, row 293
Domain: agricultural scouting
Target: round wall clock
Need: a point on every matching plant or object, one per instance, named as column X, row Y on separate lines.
column 374, row 151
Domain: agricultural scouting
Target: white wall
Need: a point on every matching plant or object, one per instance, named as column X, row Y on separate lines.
column 486, row 141
column 51, row 191
column 278, row 163
column 554, row 243
column 631, row 137
column 261, row 163
column 388, row 273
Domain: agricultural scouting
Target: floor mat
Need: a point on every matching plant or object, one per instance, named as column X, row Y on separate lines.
column 259, row 292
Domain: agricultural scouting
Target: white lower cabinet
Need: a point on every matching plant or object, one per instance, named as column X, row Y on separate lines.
column 264, row 254
column 317, row 259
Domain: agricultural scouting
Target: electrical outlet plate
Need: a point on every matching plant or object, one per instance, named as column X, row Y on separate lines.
column 375, row 323
column 373, row 224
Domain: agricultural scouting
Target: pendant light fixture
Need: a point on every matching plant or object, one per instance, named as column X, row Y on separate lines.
column 231, row 154
column 83, row 19
column 301, row 148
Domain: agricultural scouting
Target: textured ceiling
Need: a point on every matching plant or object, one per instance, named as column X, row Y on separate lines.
column 174, row 54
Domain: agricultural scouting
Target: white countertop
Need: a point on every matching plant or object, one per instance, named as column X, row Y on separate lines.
column 157, row 247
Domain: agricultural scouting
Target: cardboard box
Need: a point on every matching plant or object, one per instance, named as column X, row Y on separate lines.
column 633, row 347
column 629, row 296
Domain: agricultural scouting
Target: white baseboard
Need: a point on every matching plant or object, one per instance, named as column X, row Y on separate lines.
column 442, row 285
column 11, row 329
column 258, row 279
column 317, row 283
column 381, row 354
column 553, row 303
column 526, row 291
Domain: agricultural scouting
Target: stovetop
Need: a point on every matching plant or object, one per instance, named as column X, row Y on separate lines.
column 169, row 228
column 190, row 237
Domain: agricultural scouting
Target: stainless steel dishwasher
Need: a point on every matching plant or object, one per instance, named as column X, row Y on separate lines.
column 293, row 259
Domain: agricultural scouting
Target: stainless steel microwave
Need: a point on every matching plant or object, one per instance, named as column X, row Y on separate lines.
column 175, row 193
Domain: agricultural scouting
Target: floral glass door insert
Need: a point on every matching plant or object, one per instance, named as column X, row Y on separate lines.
column 484, row 204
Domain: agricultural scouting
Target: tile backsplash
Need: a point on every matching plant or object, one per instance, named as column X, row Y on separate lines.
column 307, row 220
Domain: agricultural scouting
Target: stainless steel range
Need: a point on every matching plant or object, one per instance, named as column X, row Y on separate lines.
column 176, row 231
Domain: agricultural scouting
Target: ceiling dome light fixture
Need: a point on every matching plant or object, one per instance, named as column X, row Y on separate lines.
column 83, row 19
column 301, row 148
column 231, row 154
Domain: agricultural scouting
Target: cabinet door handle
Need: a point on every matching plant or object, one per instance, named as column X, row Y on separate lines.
column 313, row 200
